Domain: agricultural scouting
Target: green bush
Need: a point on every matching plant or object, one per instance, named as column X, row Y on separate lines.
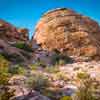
column 62, row 76
column 13, row 57
column 40, row 63
column 86, row 91
column 66, row 98
column 52, row 69
column 23, row 46
column 60, row 59
column 5, row 92
column 3, row 61
column 17, row 69
column 83, row 75
column 34, row 66
column 4, row 75
column 37, row 82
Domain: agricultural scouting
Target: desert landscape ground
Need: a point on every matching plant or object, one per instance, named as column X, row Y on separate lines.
column 60, row 62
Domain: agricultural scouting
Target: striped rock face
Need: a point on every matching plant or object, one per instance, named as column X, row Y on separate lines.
column 69, row 32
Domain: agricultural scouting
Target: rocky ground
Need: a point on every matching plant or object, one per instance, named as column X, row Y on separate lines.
column 63, row 79
column 63, row 53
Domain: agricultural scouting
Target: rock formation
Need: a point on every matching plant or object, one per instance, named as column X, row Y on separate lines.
column 11, row 33
column 23, row 34
column 69, row 32
column 14, row 43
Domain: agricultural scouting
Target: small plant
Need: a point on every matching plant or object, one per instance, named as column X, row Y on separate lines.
column 83, row 75
column 40, row 64
column 23, row 46
column 5, row 92
column 34, row 66
column 4, row 75
column 52, row 69
column 37, row 82
column 13, row 57
column 60, row 59
column 61, row 62
column 66, row 98
column 3, row 61
column 85, row 91
column 17, row 69
column 61, row 76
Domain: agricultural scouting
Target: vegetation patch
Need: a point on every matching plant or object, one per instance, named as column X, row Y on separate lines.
column 23, row 46
column 17, row 69
column 5, row 92
column 37, row 82
column 83, row 75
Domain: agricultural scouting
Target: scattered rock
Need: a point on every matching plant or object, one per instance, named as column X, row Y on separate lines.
column 33, row 96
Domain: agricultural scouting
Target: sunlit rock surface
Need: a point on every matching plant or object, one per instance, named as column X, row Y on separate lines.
column 69, row 32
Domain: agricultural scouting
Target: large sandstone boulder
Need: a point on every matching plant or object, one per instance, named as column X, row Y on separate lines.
column 68, row 32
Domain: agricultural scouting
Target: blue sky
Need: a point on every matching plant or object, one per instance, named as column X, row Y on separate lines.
column 26, row 13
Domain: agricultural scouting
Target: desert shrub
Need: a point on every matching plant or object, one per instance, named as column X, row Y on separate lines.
column 25, row 54
column 37, row 65
column 3, row 61
column 52, row 69
column 4, row 75
column 61, row 62
column 52, row 94
column 62, row 76
column 85, row 91
column 37, row 82
column 66, row 98
column 17, row 69
column 13, row 57
column 23, row 46
column 60, row 59
column 40, row 64
column 49, row 94
column 83, row 75
column 5, row 93
column 34, row 66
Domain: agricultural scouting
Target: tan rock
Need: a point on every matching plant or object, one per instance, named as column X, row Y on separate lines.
column 69, row 32
column 23, row 33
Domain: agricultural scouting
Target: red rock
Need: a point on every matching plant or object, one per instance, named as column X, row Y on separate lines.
column 69, row 32
column 11, row 33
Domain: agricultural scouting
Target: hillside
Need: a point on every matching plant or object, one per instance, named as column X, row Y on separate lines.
column 61, row 62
